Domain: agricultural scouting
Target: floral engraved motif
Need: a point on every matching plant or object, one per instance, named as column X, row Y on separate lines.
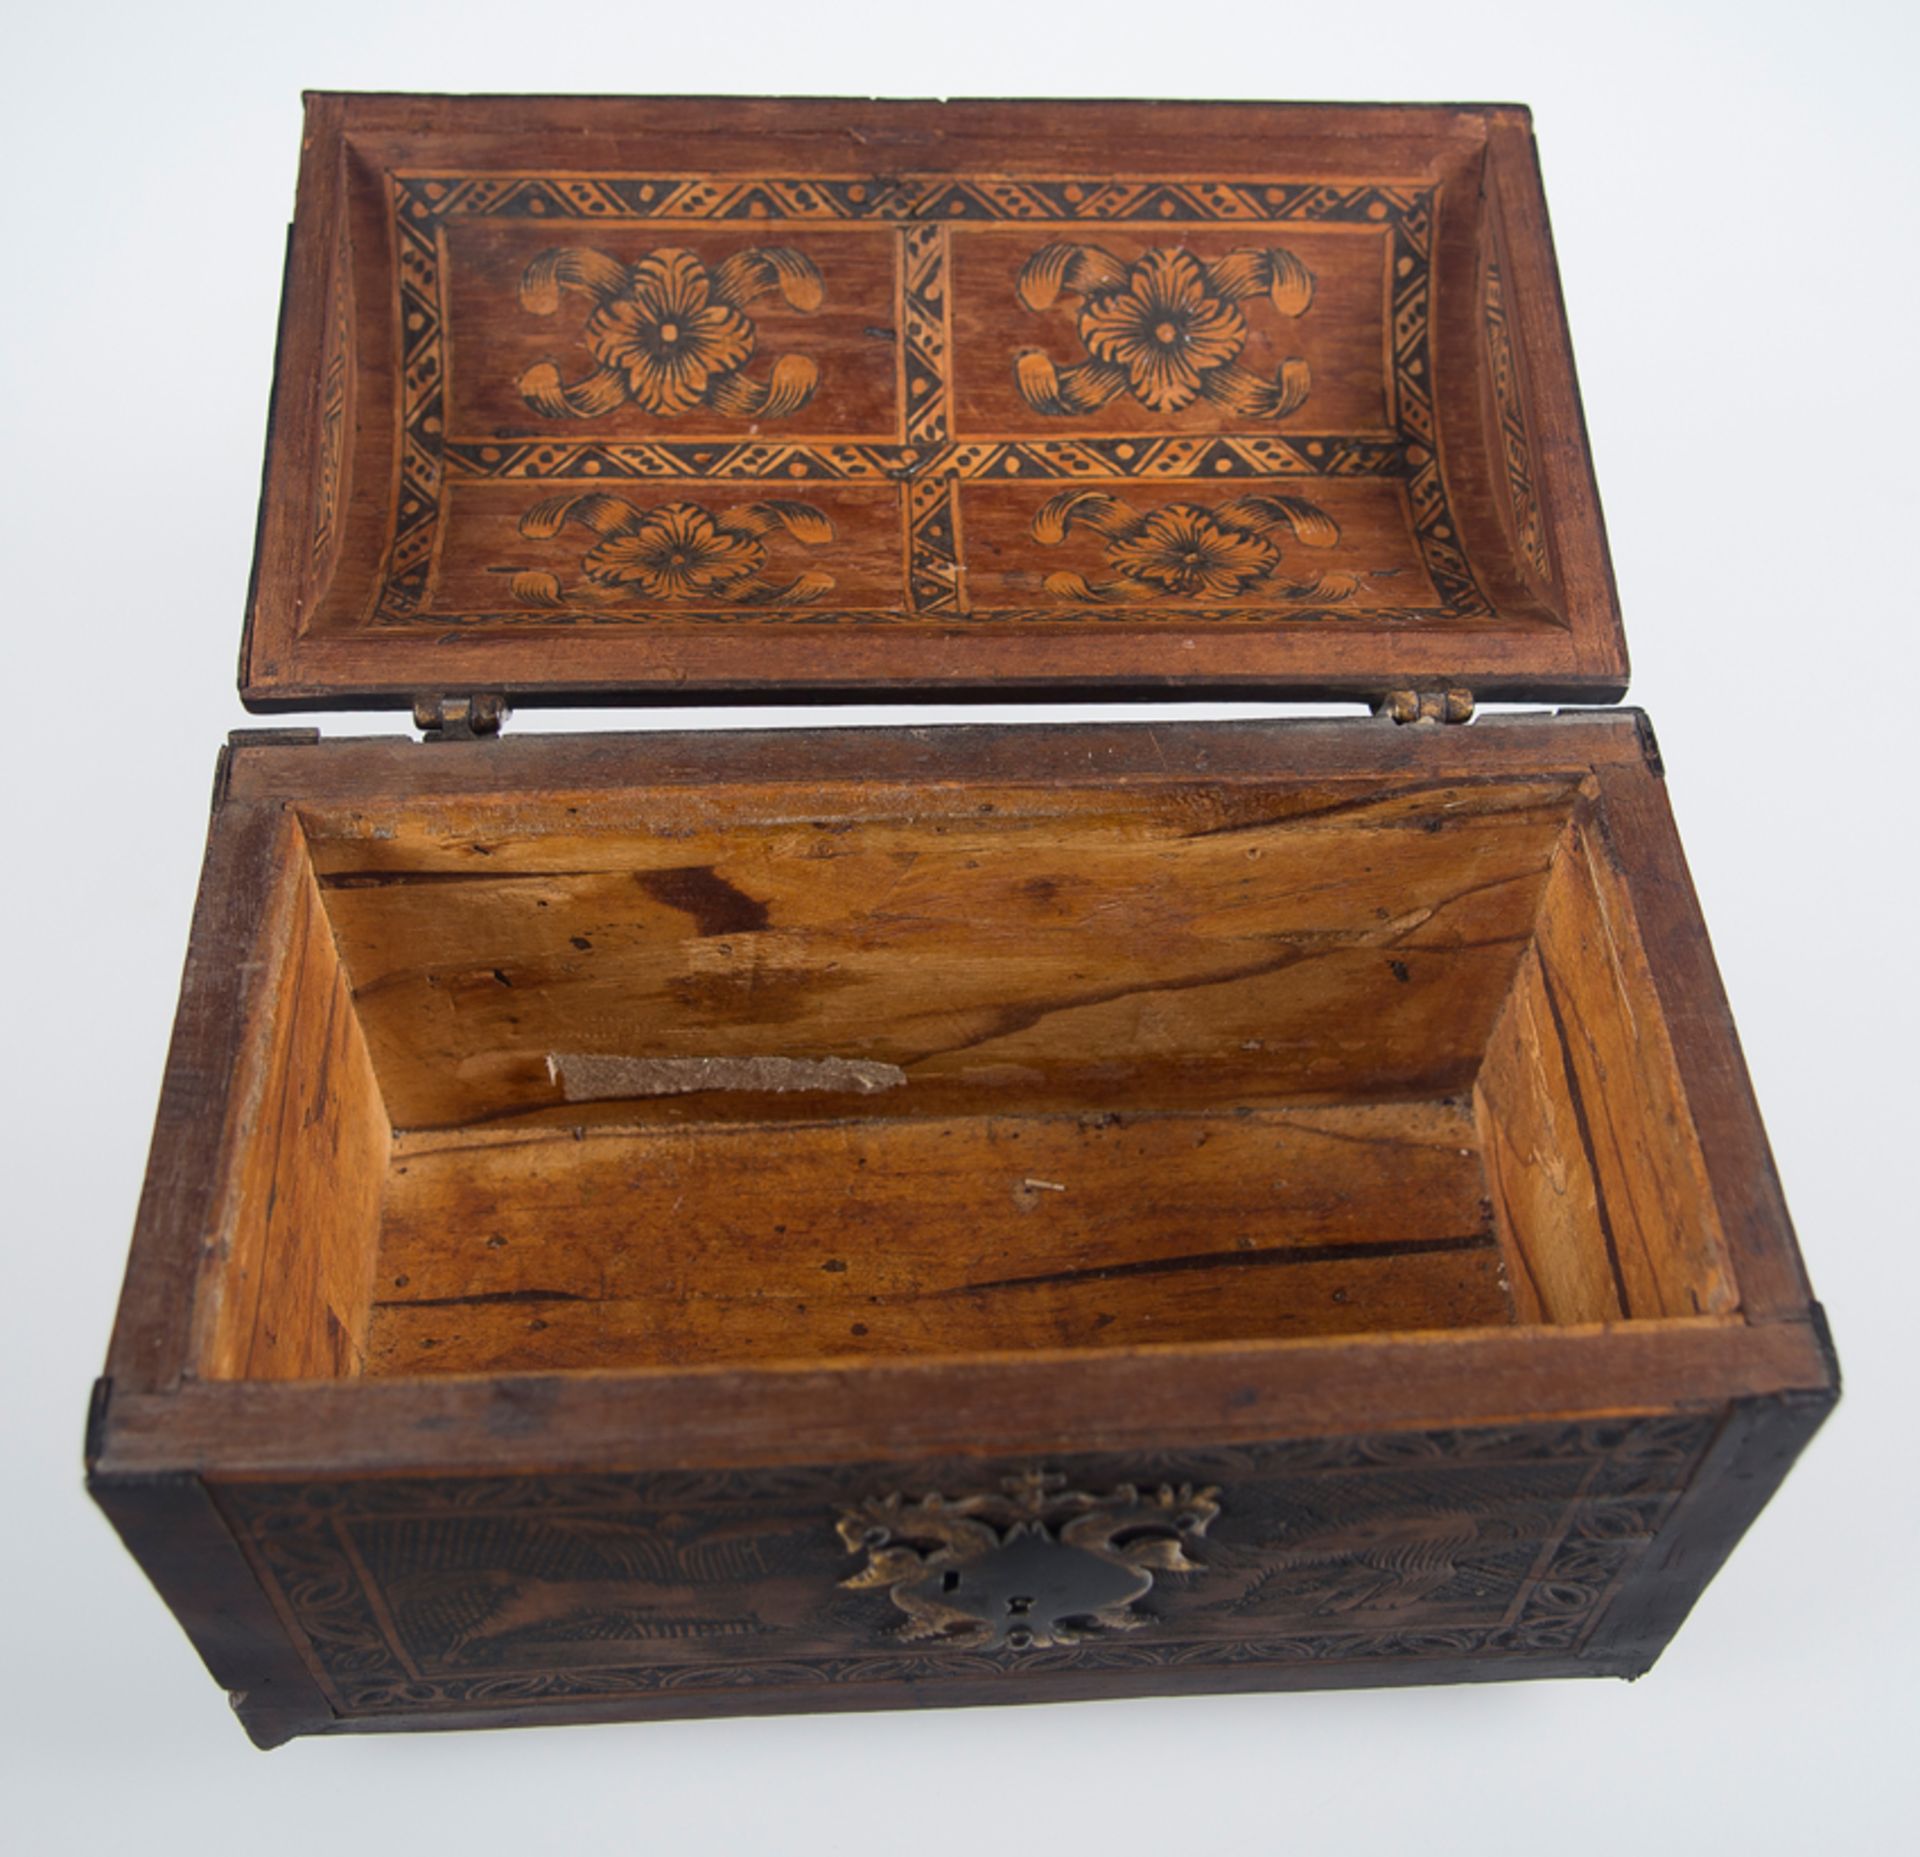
column 678, row 552
column 1185, row 551
column 1033, row 1566
column 1167, row 329
column 669, row 334
column 1388, row 1563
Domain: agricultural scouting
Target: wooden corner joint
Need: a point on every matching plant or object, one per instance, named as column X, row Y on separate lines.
column 1452, row 704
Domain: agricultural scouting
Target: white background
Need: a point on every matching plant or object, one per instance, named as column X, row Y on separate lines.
column 1734, row 192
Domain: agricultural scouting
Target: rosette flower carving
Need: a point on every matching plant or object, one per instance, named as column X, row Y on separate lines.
column 1167, row 329
column 678, row 553
column 669, row 332
column 1189, row 551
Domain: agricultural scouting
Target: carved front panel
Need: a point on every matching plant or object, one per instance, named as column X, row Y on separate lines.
column 451, row 1593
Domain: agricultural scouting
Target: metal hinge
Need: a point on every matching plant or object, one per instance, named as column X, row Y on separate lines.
column 459, row 718
column 1452, row 704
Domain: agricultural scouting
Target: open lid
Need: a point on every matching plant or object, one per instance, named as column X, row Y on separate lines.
column 603, row 399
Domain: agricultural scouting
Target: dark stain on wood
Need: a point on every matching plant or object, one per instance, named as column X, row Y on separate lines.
column 716, row 906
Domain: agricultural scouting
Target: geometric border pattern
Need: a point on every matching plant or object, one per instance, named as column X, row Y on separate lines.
column 336, row 374
column 1623, row 1480
column 1516, row 447
column 926, row 460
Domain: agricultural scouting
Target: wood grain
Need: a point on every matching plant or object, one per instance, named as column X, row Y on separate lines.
column 1636, row 1127
column 215, row 1066
column 1046, row 1400
column 1601, row 1194
column 1698, row 1021
column 730, row 1242
column 296, row 1280
column 1547, row 1206
column 1008, row 948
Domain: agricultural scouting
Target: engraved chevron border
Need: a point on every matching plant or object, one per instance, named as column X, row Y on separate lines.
column 1516, row 445
column 336, row 375
column 921, row 210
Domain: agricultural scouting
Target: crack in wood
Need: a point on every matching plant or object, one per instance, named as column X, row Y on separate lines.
column 1214, row 1260
column 478, row 1298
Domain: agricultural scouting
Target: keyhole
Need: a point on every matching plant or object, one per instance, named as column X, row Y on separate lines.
column 950, row 1581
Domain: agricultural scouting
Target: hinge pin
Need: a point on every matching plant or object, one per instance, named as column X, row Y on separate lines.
column 458, row 718
column 1449, row 705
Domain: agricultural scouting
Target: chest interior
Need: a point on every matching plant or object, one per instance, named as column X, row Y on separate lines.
column 791, row 1071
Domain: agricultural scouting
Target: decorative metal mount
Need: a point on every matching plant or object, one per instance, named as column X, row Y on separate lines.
column 1032, row 1566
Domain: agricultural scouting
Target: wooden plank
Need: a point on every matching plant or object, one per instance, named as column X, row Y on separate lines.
column 1546, row 1206
column 1755, row 1224
column 1660, row 1224
column 214, row 1078
column 803, row 809
column 1164, row 945
column 341, row 773
column 736, row 1243
column 895, row 1205
column 1189, row 1298
column 1049, row 1400
column 304, row 1204
column 1600, row 1189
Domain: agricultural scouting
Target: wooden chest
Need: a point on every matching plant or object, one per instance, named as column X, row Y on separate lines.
column 685, row 1223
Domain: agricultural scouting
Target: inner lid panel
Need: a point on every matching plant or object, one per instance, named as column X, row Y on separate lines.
column 588, row 398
